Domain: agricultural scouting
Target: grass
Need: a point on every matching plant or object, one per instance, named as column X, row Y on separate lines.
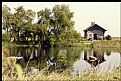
column 107, row 44
column 83, row 44
column 13, row 71
column 91, row 75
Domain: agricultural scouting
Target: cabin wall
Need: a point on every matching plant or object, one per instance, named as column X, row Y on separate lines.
column 89, row 34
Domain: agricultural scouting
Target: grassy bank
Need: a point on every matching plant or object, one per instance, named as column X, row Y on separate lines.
column 80, row 44
column 98, row 44
column 83, row 44
column 6, row 44
column 107, row 44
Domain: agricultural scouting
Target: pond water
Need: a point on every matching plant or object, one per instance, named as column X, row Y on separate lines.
column 76, row 58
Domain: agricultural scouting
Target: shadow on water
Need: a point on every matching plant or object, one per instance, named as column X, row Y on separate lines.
column 60, row 59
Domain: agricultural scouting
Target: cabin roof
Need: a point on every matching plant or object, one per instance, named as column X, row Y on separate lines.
column 93, row 26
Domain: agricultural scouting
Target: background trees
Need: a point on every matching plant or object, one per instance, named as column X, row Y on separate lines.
column 54, row 26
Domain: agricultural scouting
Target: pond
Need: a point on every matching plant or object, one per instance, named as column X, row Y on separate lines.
column 75, row 58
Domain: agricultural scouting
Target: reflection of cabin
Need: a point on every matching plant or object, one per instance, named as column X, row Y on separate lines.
column 90, row 53
column 94, row 32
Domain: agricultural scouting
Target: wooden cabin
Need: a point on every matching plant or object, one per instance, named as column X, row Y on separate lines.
column 94, row 32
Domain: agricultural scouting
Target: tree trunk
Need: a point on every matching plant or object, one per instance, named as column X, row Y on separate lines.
column 18, row 36
column 14, row 38
column 34, row 39
column 10, row 37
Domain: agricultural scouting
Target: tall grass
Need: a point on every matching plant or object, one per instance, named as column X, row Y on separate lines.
column 107, row 44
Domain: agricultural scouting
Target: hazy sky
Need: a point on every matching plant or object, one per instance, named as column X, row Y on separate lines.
column 105, row 14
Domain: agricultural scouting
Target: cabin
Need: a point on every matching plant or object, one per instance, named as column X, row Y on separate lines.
column 94, row 58
column 94, row 32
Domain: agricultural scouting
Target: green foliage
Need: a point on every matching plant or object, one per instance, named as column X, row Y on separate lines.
column 52, row 40
column 61, row 57
column 6, row 17
column 6, row 37
column 54, row 26
column 57, row 44
column 70, row 37
column 108, row 37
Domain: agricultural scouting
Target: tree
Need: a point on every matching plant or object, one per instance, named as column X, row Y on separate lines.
column 70, row 36
column 28, row 25
column 6, row 21
column 20, row 19
column 44, row 21
column 58, row 22
column 6, row 17
column 62, row 19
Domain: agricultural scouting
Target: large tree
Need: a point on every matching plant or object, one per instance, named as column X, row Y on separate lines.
column 57, row 20
column 20, row 19
column 62, row 19
column 59, row 24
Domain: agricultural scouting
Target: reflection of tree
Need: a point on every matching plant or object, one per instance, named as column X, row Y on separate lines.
column 63, row 60
column 14, row 51
column 40, row 57
column 73, row 54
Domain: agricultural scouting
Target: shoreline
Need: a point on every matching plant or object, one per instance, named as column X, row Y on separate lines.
column 83, row 44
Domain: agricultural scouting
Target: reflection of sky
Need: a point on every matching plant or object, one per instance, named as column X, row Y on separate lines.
column 112, row 61
column 81, row 65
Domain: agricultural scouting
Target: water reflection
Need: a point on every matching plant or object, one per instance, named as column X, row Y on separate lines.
column 54, row 58
column 93, row 57
column 60, row 59
column 106, row 59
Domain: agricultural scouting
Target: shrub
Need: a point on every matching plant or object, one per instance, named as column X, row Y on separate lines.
column 108, row 37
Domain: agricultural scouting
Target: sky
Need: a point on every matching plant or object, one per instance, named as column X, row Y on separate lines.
column 105, row 14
